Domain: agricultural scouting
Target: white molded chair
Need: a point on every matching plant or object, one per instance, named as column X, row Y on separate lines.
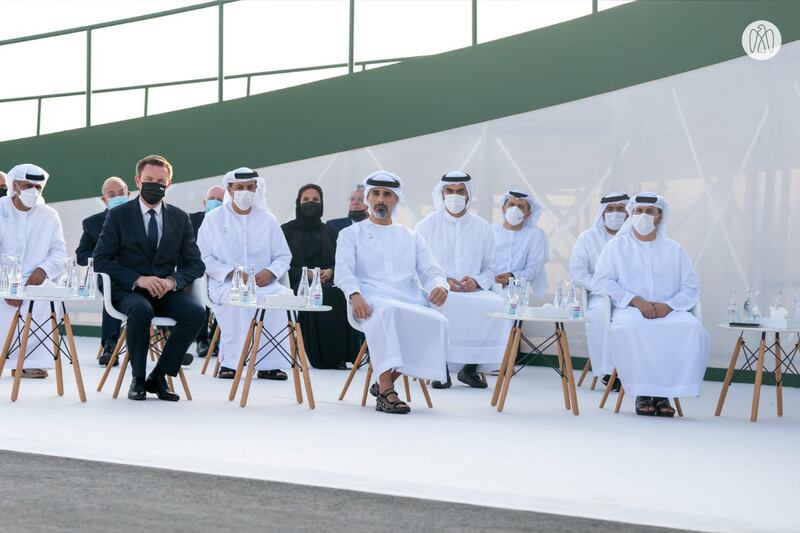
column 157, row 341
column 358, row 362
column 696, row 311
column 199, row 291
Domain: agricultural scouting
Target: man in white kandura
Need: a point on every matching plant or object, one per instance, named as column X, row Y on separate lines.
column 520, row 246
column 31, row 231
column 243, row 232
column 379, row 267
column 464, row 245
column 659, row 348
column 611, row 214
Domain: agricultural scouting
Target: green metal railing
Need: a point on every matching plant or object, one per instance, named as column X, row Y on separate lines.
column 220, row 78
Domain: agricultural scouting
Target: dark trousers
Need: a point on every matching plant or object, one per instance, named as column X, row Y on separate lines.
column 140, row 309
column 109, row 331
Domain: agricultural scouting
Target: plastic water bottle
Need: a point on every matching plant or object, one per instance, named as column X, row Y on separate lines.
column 72, row 278
column 756, row 310
column 558, row 301
column 302, row 287
column 522, row 287
column 4, row 284
column 235, row 294
column 315, row 293
column 575, row 308
column 513, row 298
column 778, row 299
column 797, row 305
column 15, row 278
column 747, row 307
column 91, row 280
column 732, row 307
column 249, row 294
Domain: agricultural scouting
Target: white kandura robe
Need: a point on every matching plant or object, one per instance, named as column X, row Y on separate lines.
column 386, row 265
column 657, row 357
column 523, row 253
column 37, row 238
column 464, row 246
column 585, row 254
column 226, row 238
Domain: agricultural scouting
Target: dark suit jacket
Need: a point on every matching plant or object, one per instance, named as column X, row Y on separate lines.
column 197, row 219
column 122, row 251
column 338, row 224
column 92, row 226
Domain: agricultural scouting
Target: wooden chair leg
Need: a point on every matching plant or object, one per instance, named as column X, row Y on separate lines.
column 729, row 375
column 114, row 357
column 759, row 376
column 9, row 337
column 76, row 365
column 498, row 384
column 170, row 385
column 99, row 351
column 353, row 370
column 185, row 384
column 216, row 368
column 294, row 348
column 573, row 394
column 606, row 392
column 122, row 368
column 240, row 365
column 678, row 407
column 509, row 371
column 427, row 396
column 620, row 396
column 304, row 366
column 214, row 340
column 23, row 347
column 586, row 369
column 367, row 383
column 57, row 354
column 594, row 382
column 407, row 387
column 251, row 366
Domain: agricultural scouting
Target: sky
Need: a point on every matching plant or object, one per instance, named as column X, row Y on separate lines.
column 260, row 35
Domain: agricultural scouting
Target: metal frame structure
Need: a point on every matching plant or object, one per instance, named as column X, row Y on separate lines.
column 220, row 78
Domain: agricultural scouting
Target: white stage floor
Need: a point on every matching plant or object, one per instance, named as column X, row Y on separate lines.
column 700, row 472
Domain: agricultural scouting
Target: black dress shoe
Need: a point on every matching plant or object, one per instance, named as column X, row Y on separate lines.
column 105, row 357
column 158, row 385
column 202, row 348
column 136, row 392
column 275, row 375
column 187, row 359
column 474, row 380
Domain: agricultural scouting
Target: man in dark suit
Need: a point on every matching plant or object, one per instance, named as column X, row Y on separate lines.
column 148, row 249
column 357, row 211
column 212, row 200
column 115, row 193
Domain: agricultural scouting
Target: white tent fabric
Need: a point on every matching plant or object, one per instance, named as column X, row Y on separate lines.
column 719, row 142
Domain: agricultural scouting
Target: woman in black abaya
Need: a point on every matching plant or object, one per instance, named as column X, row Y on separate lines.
column 329, row 339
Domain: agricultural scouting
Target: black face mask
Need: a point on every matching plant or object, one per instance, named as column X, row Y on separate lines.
column 310, row 210
column 357, row 216
column 3, row 191
column 152, row 192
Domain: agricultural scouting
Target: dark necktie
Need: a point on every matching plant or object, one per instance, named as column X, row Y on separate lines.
column 152, row 233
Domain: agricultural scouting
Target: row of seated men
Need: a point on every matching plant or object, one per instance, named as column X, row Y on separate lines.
column 420, row 296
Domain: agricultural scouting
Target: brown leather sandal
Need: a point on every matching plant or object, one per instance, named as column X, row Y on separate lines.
column 396, row 407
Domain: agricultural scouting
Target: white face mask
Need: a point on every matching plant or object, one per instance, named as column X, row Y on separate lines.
column 514, row 215
column 644, row 224
column 614, row 221
column 244, row 200
column 455, row 203
column 29, row 197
